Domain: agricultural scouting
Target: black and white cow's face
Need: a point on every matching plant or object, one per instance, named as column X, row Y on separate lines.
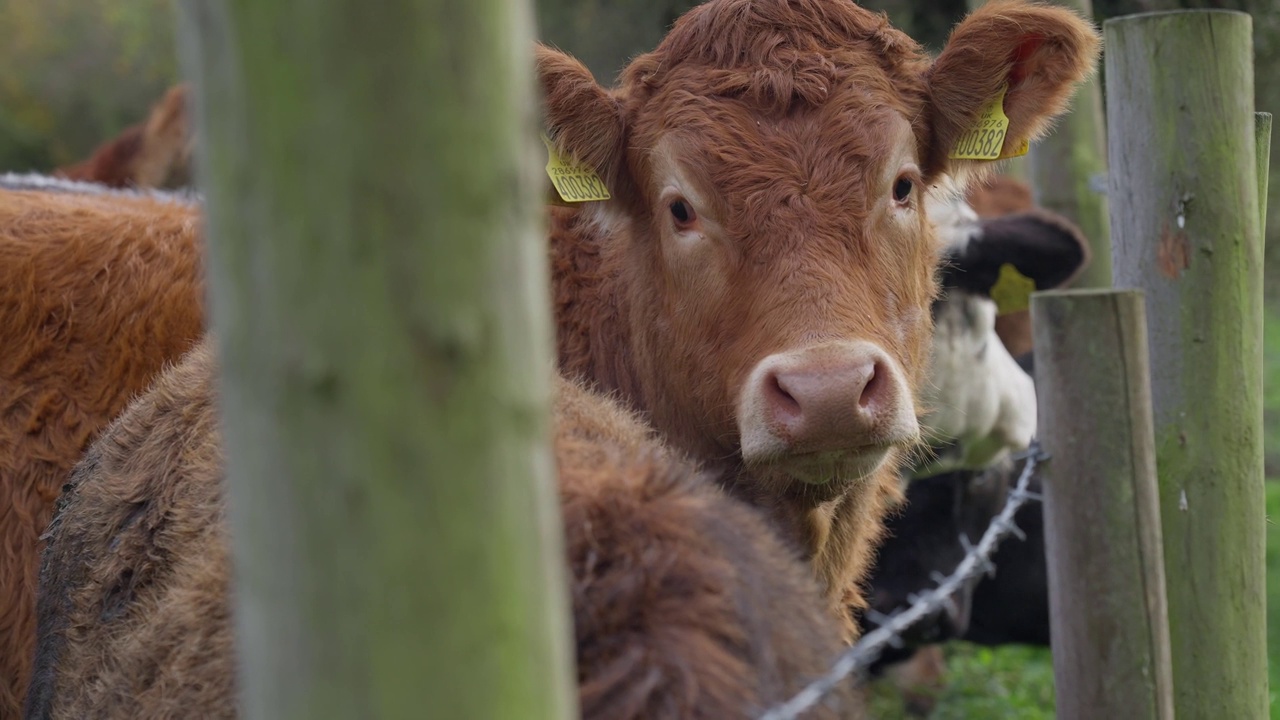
column 982, row 404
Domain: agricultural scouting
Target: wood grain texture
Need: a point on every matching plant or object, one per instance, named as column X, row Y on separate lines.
column 1108, row 613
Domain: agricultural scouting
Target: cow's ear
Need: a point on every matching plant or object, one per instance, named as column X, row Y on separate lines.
column 1036, row 53
column 1042, row 246
column 584, row 120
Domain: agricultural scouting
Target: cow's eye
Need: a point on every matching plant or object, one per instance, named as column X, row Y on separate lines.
column 683, row 213
column 902, row 190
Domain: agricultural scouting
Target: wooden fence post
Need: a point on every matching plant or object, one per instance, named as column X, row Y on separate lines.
column 1185, row 229
column 1109, row 619
column 1068, row 170
column 379, row 296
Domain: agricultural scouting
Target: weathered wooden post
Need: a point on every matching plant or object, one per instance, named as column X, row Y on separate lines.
column 379, row 297
column 1109, row 618
column 1185, row 229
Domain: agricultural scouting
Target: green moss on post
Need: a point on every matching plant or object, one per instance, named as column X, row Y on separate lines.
column 379, row 293
column 1185, row 229
column 1110, row 623
column 1069, row 168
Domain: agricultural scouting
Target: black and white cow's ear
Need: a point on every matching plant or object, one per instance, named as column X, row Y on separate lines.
column 1043, row 247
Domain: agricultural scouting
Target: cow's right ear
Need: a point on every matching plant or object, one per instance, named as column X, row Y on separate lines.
column 1034, row 54
column 584, row 120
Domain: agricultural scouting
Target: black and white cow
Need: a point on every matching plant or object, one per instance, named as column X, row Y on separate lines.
column 986, row 409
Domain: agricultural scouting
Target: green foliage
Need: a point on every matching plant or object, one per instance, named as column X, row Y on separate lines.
column 1010, row 682
column 76, row 73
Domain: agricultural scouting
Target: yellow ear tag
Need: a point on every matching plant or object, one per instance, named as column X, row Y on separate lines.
column 573, row 182
column 1012, row 291
column 985, row 140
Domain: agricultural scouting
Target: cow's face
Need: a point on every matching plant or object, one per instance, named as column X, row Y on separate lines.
column 768, row 162
column 981, row 404
column 790, row 265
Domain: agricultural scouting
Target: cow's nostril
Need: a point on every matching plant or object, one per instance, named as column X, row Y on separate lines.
column 874, row 389
column 781, row 398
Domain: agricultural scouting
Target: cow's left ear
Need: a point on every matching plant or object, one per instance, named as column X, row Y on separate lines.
column 1041, row 245
column 1037, row 54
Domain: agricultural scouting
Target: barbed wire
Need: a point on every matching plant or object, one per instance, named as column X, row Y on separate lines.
column 977, row 561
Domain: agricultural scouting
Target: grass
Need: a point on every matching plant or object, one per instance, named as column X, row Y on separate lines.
column 989, row 683
column 1016, row 683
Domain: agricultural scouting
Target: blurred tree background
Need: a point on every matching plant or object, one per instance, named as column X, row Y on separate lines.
column 76, row 72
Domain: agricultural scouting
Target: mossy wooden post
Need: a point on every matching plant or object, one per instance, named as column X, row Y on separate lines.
column 1185, row 228
column 1068, row 169
column 379, row 296
column 1109, row 618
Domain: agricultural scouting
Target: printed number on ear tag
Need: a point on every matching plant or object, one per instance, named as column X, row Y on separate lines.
column 986, row 139
column 573, row 182
column 1012, row 291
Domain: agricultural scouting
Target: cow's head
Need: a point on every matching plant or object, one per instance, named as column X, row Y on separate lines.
column 981, row 403
column 769, row 163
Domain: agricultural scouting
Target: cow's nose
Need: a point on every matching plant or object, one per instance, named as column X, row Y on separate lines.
column 822, row 408
column 835, row 398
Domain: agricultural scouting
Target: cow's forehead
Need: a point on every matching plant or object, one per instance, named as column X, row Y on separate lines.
column 780, row 55
column 731, row 155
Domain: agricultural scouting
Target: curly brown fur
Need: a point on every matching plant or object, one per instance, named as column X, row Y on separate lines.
column 153, row 153
column 784, row 122
column 685, row 604
column 133, row 612
column 97, row 293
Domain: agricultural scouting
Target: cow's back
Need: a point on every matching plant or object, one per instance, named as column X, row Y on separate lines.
column 97, row 293
column 686, row 605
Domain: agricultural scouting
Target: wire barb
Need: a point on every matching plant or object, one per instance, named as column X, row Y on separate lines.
column 889, row 630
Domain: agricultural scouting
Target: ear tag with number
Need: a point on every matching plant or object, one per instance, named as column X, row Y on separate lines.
column 986, row 139
column 1012, row 290
column 573, row 182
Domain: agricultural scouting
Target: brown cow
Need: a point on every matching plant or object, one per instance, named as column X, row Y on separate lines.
column 97, row 292
column 153, row 153
column 759, row 287
column 686, row 604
